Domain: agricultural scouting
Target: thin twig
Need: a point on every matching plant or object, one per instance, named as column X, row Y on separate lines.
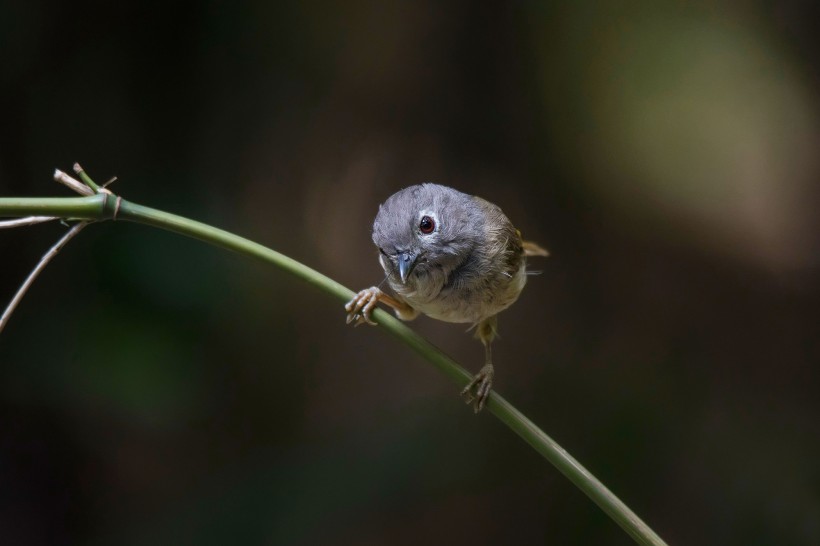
column 72, row 183
column 47, row 257
column 85, row 178
column 27, row 221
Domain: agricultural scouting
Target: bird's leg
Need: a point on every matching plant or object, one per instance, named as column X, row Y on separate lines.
column 361, row 306
column 482, row 381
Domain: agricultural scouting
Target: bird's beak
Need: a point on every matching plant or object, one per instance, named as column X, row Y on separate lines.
column 407, row 261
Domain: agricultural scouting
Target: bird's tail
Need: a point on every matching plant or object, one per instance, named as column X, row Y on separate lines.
column 532, row 249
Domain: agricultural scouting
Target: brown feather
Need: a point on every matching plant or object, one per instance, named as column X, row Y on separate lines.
column 532, row 249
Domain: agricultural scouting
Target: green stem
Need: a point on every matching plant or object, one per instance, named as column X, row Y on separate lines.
column 102, row 206
column 85, row 178
column 88, row 208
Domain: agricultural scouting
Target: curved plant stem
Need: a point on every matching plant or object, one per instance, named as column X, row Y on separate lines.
column 106, row 206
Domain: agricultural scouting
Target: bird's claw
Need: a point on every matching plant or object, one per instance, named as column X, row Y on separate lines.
column 361, row 306
column 482, row 382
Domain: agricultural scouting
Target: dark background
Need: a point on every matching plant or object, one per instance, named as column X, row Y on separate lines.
column 155, row 390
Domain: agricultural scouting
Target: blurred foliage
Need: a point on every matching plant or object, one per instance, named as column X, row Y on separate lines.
column 155, row 390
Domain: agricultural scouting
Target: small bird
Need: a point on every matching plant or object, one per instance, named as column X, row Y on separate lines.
column 452, row 256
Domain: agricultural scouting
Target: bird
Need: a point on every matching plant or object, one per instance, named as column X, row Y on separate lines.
column 452, row 256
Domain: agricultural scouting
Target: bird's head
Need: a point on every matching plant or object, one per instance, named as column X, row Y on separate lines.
column 425, row 227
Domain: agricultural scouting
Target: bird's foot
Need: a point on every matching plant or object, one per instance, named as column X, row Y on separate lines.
column 362, row 305
column 478, row 390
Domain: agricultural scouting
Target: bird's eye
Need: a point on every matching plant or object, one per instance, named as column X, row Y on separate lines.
column 427, row 225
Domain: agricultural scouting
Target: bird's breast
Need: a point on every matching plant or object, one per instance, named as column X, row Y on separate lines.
column 467, row 299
